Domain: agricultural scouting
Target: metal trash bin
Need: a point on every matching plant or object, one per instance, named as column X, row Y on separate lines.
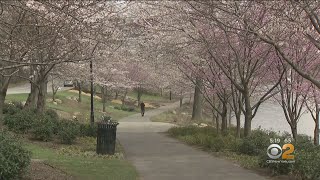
column 106, row 137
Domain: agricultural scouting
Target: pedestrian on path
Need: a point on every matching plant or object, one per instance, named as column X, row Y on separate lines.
column 142, row 105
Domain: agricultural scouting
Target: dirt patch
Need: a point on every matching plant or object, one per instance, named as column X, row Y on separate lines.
column 39, row 170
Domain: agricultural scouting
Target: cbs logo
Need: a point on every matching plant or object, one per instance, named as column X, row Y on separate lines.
column 275, row 151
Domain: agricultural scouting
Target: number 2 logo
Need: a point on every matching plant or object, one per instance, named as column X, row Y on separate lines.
column 287, row 154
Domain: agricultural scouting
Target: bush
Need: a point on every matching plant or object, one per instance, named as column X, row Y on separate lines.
column 256, row 143
column 43, row 128
column 10, row 109
column 307, row 162
column 218, row 144
column 87, row 130
column 13, row 158
column 124, row 108
column 205, row 137
column 130, row 109
column 117, row 107
column 191, row 130
column 20, row 122
column 52, row 113
column 55, row 118
column 106, row 118
column 68, row 131
column 18, row 104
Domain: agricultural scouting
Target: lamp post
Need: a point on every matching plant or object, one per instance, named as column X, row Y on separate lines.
column 92, row 111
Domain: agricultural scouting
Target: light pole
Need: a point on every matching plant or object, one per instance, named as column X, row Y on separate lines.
column 91, row 112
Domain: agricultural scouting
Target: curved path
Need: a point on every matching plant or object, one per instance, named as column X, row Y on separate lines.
column 158, row 157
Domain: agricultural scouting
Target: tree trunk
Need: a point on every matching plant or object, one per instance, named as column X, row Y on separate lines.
column 181, row 99
column 247, row 115
column 197, row 101
column 294, row 132
column 42, row 95
column 4, row 84
column 316, row 130
column 80, row 90
column 2, row 99
column 32, row 99
column 224, row 119
column 53, row 91
column 238, row 116
column 104, row 98
column 218, row 124
column 170, row 95
column 123, row 99
column 247, row 124
column 161, row 92
column 229, row 116
column 117, row 94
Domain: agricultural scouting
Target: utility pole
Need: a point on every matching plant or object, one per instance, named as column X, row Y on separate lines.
column 92, row 112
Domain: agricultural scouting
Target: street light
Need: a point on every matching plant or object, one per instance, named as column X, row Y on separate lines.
column 91, row 112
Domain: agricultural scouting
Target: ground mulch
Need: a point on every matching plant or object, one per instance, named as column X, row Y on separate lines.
column 39, row 170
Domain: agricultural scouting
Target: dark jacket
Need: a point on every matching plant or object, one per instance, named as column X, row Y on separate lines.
column 142, row 105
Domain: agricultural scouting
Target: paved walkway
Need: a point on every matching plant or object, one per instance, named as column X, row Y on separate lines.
column 158, row 157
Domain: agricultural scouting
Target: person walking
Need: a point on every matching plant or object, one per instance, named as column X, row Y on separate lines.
column 142, row 105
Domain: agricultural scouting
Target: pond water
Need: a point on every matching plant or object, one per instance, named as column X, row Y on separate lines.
column 270, row 116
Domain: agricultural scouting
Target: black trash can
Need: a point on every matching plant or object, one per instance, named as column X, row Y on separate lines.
column 106, row 137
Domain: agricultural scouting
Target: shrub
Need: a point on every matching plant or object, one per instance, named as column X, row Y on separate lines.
column 54, row 117
column 218, row 144
column 307, row 162
column 87, row 130
column 52, row 113
column 117, row 107
column 18, row 104
column 248, row 147
column 68, row 131
column 130, row 109
column 256, row 143
column 105, row 118
column 124, row 108
column 43, row 127
column 183, row 131
column 204, row 137
column 10, row 109
column 13, row 158
column 192, row 140
column 20, row 122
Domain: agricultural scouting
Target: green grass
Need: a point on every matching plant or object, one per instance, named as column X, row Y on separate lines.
column 181, row 116
column 150, row 97
column 71, row 106
column 85, row 167
column 17, row 97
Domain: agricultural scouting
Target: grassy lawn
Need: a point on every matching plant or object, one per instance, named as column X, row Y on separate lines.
column 152, row 98
column 69, row 107
column 181, row 116
column 82, row 167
